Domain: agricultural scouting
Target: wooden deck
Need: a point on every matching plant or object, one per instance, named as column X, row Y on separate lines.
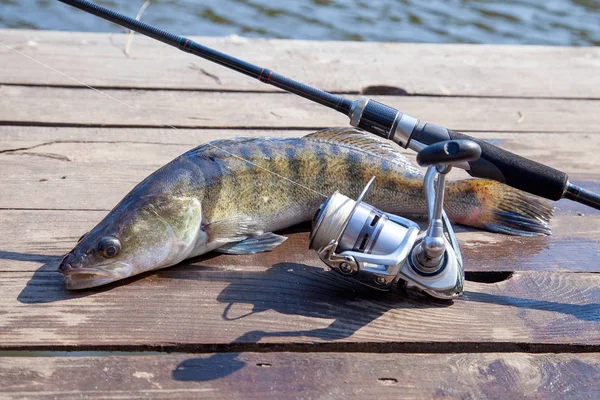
column 279, row 324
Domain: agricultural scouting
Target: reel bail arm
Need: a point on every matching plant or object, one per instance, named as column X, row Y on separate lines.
column 439, row 157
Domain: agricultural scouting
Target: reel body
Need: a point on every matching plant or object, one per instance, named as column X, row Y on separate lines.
column 380, row 249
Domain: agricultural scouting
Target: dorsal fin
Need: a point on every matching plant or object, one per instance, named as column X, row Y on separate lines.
column 219, row 144
column 356, row 139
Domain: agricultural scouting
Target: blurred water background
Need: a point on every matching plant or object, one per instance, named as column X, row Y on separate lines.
column 549, row 22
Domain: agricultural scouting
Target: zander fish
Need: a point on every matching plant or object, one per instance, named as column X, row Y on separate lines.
column 231, row 195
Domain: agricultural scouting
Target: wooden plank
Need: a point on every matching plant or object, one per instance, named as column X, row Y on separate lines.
column 310, row 375
column 15, row 137
column 36, row 158
column 432, row 69
column 279, row 110
column 571, row 152
column 35, row 240
column 270, row 302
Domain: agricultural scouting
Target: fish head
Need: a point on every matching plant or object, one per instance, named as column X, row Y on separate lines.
column 134, row 238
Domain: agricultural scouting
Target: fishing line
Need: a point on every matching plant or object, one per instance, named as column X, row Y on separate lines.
column 66, row 76
column 164, row 125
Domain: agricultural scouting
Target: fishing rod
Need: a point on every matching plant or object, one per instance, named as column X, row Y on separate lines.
column 379, row 119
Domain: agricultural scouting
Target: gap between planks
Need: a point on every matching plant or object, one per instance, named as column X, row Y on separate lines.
column 381, row 92
column 450, row 347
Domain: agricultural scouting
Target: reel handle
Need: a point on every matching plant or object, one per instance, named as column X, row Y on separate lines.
column 449, row 152
column 428, row 254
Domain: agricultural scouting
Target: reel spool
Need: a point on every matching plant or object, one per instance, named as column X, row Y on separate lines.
column 358, row 240
column 356, row 226
column 379, row 249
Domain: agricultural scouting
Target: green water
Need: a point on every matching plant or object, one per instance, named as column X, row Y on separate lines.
column 550, row 22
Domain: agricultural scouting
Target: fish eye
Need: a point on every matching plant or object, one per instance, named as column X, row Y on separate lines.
column 109, row 246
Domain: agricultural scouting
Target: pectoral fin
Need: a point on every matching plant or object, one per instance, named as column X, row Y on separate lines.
column 257, row 244
column 233, row 229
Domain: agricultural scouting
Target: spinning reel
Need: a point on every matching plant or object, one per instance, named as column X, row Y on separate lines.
column 382, row 250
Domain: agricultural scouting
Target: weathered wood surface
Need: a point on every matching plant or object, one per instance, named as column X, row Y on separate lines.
column 456, row 70
column 34, row 239
column 128, row 157
column 67, row 155
column 277, row 303
column 572, row 151
column 312, row 375
column 568, row 150
column 81, row 107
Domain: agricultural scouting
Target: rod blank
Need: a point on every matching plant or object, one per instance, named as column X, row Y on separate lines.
column 265, row 75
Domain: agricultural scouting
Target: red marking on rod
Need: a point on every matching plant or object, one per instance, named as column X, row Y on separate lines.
column 269, row 77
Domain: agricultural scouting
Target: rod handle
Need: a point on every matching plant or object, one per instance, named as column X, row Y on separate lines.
column 501, row 165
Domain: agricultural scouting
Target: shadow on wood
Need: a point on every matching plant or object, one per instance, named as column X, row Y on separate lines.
column 37, row 290
column 339, row 295
column 45, row 286
column 331, row 302
column 203, row 369
column 583, row 312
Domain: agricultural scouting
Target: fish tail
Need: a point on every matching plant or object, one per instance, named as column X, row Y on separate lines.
column 497, row 207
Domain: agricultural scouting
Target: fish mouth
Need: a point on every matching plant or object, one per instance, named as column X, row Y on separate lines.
column 86, row 277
